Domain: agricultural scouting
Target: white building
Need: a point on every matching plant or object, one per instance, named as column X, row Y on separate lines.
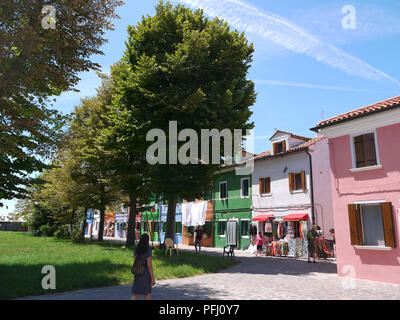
column 285, row 181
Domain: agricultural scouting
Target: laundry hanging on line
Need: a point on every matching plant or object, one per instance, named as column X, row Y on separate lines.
column 194, row 214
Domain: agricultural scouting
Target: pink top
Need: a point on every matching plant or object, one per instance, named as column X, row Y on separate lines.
column 260, row 240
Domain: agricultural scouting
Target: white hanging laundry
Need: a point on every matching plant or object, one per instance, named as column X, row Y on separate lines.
column 197, row 213
column 187, row 214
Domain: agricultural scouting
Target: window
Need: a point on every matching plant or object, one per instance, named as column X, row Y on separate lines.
column 279, row 147
column 265, row 185
column 245, row 228
column 297, row 181
column 245, row 187
column 221, row 227
column 145, row 226
column 372, row 224
column 155, row 227
column 223, row 190
column 178, row 227
column 365, row 151
column 207, row 227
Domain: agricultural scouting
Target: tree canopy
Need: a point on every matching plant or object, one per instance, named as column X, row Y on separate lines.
column 36, row 64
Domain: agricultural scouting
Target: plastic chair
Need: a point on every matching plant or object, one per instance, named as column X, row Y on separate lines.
column 230, row 252
column 170, row 246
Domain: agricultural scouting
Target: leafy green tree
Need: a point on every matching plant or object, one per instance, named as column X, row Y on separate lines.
column 190, row 69
column 95, row 167
column 122, row 140
column 36, row 64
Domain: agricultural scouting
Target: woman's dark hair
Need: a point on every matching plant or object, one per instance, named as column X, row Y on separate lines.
column 332, row 230
column 143, row 245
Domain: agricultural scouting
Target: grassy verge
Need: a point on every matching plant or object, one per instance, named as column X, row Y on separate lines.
column 88, row 265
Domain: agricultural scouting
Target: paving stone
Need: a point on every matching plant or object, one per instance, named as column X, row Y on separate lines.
column 264, row 278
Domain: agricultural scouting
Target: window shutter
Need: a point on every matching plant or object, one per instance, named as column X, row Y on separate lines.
column 284, row 146
column 261, row 186
column 291, row 181
column 268, row 185
column 370, row 150
column 388, row 225
column 303, row 180
column 274, row 147
column 355, row 225
column 359, row 149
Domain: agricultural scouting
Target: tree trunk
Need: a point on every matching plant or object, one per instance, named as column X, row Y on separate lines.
column 84, row 224
column 73, row 219
column 101, row 225
column 170, row 227
column 131, row 232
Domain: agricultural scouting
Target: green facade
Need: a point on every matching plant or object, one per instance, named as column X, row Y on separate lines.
column 153, row 218
column 236, row 206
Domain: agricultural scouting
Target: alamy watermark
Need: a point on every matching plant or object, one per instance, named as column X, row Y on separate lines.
column 188, row 153
column 49, row 20
column 49, row 280
column 349, row 21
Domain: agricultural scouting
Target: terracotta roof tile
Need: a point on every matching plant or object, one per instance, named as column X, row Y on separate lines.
column 268, row 154
column 373, row 108
column 292, row 135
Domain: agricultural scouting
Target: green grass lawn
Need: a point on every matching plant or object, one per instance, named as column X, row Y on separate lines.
column 88, row 265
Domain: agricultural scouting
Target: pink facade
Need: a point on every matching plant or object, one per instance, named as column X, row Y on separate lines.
column 323, row 209
column 378, row 184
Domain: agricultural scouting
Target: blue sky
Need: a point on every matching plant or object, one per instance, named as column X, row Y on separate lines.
column 306, row 65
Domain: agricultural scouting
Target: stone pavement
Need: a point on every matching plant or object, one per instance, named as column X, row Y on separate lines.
column 255, row 278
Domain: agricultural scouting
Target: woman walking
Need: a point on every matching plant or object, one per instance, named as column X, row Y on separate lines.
column 142, row 284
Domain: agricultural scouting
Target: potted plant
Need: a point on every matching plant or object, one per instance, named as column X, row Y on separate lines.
column 188, row 235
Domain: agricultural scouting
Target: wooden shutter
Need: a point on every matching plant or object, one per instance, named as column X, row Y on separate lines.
column 267, row 185
column 388, row 225
column 359, row 150
column 261, row 186
column 291, row 181
column 355, row 225
column 303, row 180
column 274, row 147
column 370, row 150
column 284, row 146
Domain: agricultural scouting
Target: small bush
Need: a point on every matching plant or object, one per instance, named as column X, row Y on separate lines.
column 62, row 232
column 76, row 236
column 46, row 230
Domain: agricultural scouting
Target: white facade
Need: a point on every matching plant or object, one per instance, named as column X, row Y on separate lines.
column 281, row 201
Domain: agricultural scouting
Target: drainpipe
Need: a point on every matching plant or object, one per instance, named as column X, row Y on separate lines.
column 311, row 187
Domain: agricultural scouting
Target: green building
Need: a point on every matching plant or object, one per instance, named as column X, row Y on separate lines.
column 150, row 220
column 232, row 201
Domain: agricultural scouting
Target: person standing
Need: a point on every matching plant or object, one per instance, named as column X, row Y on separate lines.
column 143, row 283
column 312, row 235
column 253, row 234
column 260, row 242
column 198, row 238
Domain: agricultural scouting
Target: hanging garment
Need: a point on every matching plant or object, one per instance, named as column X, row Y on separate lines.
column 268, row 227
column 186, row 214
column 231, row 233
column 198, row 213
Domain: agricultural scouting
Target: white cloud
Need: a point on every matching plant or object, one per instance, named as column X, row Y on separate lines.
column 307, row 85
column 276, row 29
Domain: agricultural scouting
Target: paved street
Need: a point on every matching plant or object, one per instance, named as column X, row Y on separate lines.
column 261, row 278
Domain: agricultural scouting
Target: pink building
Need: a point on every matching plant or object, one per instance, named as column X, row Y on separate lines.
column 364, row 149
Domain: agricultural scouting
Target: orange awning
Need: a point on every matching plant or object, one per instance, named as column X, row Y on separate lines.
column 263, row 217
column 296, row 217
